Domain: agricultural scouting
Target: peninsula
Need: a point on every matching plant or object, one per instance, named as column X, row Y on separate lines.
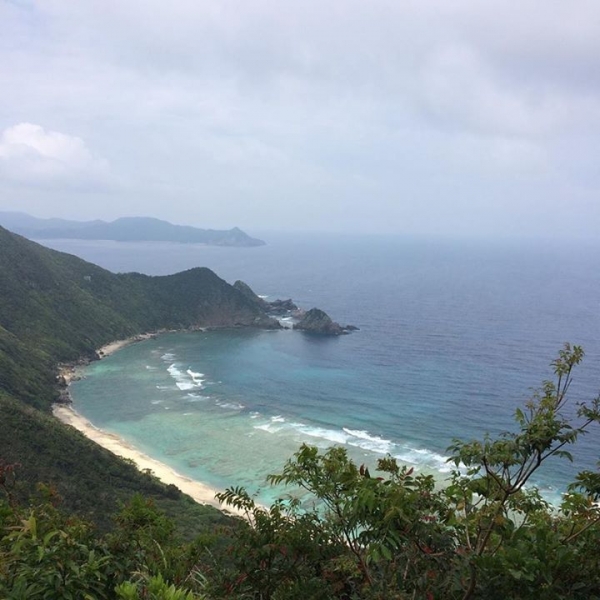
column 58, row 310
column 126, row 229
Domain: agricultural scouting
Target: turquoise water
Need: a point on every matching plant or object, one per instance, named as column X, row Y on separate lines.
column 228, row 407
column 453, row 338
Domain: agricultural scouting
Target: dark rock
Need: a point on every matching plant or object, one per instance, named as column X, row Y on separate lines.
column 64, row 397
column 318, row 321
column 312, row 321
column 281, row 307
column 275, row 308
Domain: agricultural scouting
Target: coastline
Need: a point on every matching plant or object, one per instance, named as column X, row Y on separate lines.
column 64, row 412
column 68, row 372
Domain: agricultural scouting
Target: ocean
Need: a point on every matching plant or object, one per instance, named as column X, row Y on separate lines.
column 454, row 336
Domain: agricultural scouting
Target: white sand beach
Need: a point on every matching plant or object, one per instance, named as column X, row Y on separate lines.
column 198, row 491
column 70, row 371
column 112, row 347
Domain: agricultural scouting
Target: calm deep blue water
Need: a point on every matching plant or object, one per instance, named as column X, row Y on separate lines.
column 453, row 337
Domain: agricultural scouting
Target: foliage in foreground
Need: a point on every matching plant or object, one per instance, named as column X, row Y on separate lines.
column 486, row 535
column 45, row 555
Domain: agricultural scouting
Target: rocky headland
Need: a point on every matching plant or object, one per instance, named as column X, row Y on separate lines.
column 314, row 320
column 318, row 321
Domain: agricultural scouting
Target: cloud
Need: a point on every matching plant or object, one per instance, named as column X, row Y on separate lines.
column 32, row 155
column 330, row 103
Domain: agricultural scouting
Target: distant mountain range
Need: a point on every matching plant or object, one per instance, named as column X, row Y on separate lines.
column 126, row 229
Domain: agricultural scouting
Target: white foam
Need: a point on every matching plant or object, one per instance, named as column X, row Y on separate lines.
column 275, row 424
column 264, row 427
column 357, row 438
column 197, row 378
column 185, row 381
column 196, row 397
column 185, row 385
column 374, row 443
column 359, row 433
column 168, row 356
column 230, row 405
column 174, row 371
column 331, row 435
column 422, row 457
column 349, row 437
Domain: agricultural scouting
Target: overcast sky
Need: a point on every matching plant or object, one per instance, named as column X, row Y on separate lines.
column 463, row 117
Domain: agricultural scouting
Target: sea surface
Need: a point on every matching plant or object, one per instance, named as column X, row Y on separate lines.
column 454, row 336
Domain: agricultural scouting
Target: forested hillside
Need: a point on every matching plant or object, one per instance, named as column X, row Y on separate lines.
column 97, row 528
column 55, row 307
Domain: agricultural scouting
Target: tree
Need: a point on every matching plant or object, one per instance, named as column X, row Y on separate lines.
column 488, row 533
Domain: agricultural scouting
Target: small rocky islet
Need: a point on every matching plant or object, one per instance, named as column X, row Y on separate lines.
column 314, row 320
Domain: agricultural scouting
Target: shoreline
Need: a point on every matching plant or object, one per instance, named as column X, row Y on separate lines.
column 68, row 372
column 63, row 410
column 200, row 492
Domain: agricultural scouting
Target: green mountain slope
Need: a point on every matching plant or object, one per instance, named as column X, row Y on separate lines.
column 55, row 307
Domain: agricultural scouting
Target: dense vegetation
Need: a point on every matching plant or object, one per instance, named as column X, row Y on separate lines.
column 484, row 535
column 55, row 307
column 97, row 528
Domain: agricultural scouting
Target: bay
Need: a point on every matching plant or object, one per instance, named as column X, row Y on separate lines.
column 454, row 335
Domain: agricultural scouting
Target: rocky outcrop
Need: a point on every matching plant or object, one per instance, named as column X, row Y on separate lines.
column 281, row 307
column 318, row 321
column 312, row 321
column 277, row 308
column 248, row 293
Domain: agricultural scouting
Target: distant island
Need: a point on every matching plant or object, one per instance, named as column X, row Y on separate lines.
column 125, row 229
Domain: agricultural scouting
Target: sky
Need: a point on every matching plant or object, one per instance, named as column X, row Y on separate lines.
column 436, row 118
